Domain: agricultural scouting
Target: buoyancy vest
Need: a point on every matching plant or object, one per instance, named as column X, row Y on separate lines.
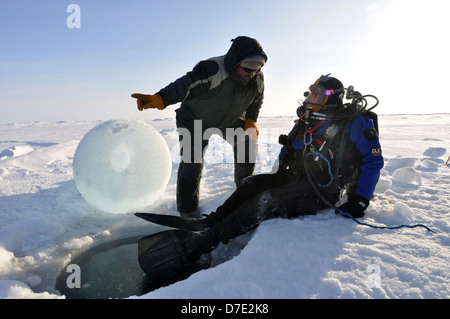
column 332, row 153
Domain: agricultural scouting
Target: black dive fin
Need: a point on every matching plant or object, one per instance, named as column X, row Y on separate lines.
column 193, row 224
column 166, row 258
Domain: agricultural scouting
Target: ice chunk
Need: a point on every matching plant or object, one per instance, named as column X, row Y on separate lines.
column 435, row 151
column 13, row 289
column 77, row 243
column 407, row 175
column 122, row 166
column 383, row 185
column 429, row 164
column 6, row 260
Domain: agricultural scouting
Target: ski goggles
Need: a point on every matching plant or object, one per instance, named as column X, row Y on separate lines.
column 319, row 95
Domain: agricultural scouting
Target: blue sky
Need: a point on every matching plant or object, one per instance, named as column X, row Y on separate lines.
column 394, row 49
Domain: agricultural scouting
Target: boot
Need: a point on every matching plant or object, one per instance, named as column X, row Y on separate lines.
column 197, row 223
column 192, row 214
column 203, row 241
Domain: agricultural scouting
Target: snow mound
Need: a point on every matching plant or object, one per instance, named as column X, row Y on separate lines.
column 396, row 214
column 15, row 151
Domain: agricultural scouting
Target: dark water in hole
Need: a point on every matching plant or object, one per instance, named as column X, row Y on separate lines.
column 109, row 270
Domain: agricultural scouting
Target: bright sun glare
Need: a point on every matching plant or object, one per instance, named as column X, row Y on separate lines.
column 407, row 51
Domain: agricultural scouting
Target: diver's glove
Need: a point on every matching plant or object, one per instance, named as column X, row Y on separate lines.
column 355, row 206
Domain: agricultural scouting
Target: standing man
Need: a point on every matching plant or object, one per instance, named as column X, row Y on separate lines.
column 223, row 93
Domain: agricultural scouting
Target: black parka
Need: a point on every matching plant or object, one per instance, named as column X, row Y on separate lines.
column 212, row 93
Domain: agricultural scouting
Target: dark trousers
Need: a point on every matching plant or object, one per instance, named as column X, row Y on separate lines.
column 266, row 196
column 193, row 143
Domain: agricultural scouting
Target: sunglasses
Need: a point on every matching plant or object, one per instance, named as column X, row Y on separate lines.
column 251, row 70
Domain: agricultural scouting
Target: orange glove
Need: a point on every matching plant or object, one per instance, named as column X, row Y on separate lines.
column 251, row 129
column 145, row 101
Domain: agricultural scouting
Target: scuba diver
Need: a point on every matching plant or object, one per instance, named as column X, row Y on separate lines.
column 333, row 152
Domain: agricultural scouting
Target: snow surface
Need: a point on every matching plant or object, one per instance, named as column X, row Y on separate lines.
column 44, row 221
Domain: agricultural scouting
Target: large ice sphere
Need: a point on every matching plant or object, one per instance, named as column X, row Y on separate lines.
column 122, row 166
